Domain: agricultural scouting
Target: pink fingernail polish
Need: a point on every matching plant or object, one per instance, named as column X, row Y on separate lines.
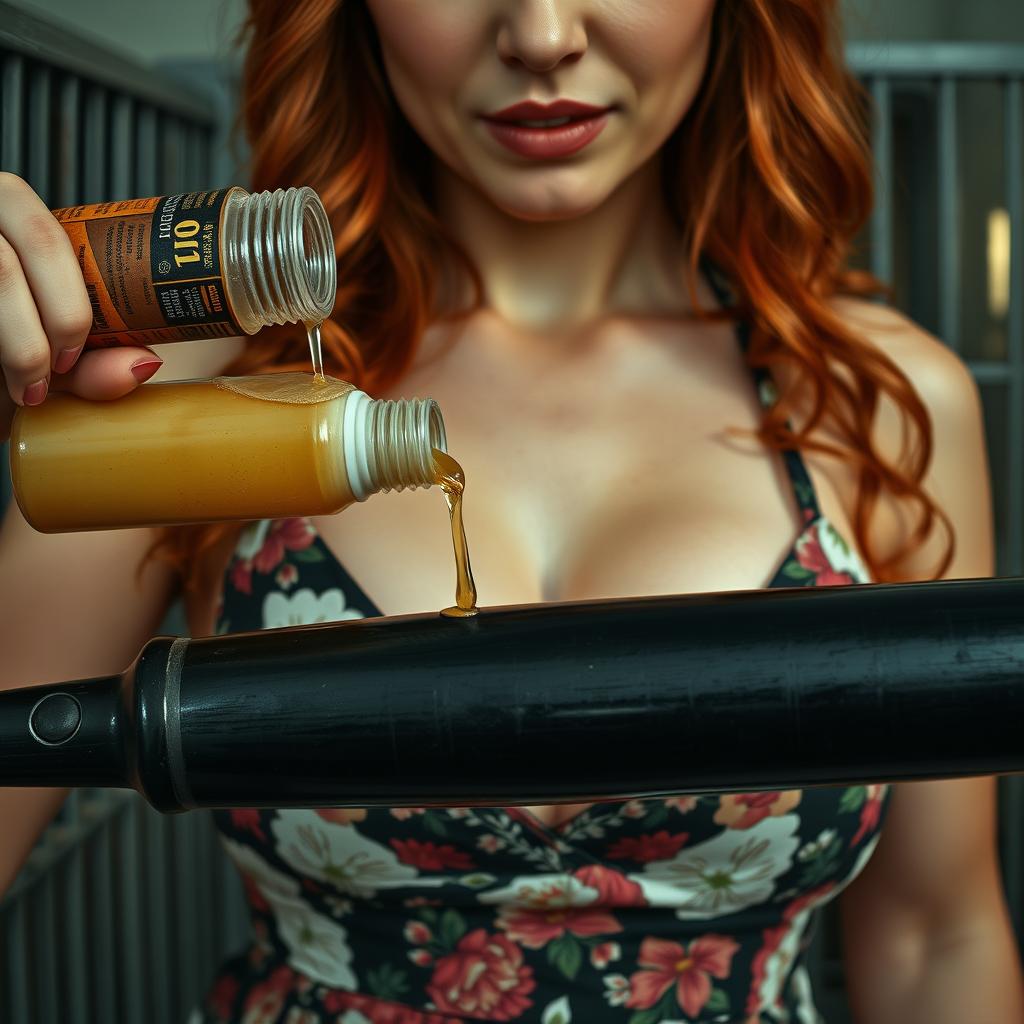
column 145, row 368
column 66, row 359
column 35, row 393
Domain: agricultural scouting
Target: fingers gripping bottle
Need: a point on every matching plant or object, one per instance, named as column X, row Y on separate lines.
column 203, row 264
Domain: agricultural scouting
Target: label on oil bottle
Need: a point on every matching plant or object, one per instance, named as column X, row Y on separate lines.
column 152, row 268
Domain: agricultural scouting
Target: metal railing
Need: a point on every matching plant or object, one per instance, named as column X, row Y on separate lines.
column 120, row 913
column 938, row 74
column 918, row 92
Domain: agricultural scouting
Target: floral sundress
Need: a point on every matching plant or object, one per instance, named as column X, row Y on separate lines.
column 695, row 908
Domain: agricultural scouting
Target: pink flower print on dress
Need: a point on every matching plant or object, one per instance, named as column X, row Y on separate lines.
column 744, row 810
column 263, row 1004
column 294, row 534
column 645, row 848
column 247, row 819
column 404, row 813
column 690, row 970
column 429, row 856
column 262, row 546
column 604, row 953
column 765, row 967
column 810, row 555
column 870, row 812
column 222, row 996
column 377, row 1011
column 287, row 576
column 613, row 888
column 682, row 804
column 241, row 575
column 534, row 929
column 252, row 893
column 549, row 913
column 634, row 809
column 484, row 978
column 417, row 933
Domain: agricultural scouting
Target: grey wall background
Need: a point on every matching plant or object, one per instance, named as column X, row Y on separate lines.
column 926, row 20
column 146, row 29
column 203, row 29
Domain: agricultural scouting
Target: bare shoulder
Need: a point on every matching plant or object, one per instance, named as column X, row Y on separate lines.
column 957, row 474
column 935, row 370
column 196, row 360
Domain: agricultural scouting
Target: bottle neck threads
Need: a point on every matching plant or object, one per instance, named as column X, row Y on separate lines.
column 278, row 258
column 389, row 443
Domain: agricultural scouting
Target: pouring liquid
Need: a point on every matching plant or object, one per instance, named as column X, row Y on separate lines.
column 316, row 353
column 450, row 477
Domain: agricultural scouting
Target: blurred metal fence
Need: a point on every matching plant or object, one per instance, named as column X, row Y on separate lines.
column 122, row 914
column 948, row 233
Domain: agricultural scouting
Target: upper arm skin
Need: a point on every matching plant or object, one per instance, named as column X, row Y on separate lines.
column 935, row 869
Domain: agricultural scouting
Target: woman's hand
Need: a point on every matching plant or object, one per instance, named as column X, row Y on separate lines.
column 45, row 314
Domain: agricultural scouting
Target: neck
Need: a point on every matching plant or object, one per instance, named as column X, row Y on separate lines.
column 566, row 273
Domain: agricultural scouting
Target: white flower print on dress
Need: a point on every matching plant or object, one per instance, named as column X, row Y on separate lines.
column 806, row 1011
column 812, row 849
column 317, row 946
column 779, row 965
column 617, row 989
column 252, row 538
column 557, row 1012
column 304, row 607
column 270, row 882
column 340, row 856
column 735, row 870
column 840, row 555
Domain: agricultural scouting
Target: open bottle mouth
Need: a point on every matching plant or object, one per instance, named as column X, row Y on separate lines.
column 287, row 240
column 389, row 443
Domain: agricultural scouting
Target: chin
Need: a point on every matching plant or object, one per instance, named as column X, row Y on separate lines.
column 547, row 208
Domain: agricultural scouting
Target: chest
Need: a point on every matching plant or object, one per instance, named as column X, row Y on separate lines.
column 601, row 470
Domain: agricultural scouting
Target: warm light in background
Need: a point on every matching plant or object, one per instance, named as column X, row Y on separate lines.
column 998, row 262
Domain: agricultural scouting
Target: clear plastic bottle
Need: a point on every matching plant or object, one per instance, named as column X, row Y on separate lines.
column 203, row 264
column 266, row 446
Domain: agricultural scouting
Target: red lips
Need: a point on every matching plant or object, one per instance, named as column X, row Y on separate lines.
column 530, row 110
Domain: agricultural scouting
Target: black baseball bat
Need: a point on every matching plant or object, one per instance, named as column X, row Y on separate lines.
column 718, row 692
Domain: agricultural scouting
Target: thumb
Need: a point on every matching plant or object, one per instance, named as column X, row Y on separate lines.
column 108, row 373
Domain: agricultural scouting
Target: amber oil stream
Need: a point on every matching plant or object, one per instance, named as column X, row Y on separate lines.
column 448, row 474
column 315, row 350
column 451, row 478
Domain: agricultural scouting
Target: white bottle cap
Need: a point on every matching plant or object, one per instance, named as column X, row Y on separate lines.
column 353, row 432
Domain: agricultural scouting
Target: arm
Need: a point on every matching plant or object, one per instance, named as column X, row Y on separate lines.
column 69, row 609
column 70, row 605
column 926, row 933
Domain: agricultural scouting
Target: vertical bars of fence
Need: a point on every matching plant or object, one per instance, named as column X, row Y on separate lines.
column 120, row 913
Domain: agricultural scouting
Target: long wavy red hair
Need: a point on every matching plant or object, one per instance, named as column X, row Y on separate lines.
column 768, row 176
